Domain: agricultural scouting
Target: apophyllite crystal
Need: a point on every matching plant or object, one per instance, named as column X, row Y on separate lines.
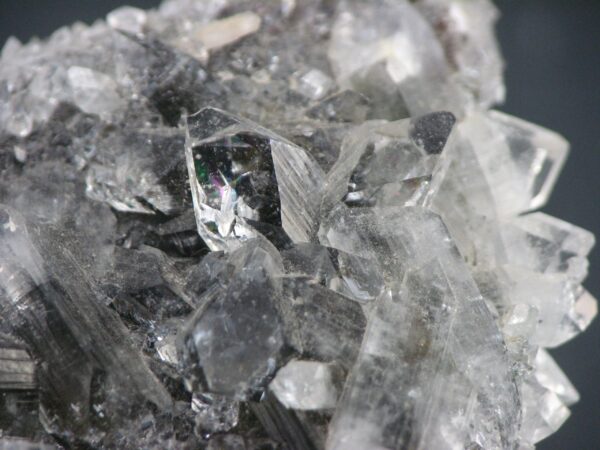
column 279, row 225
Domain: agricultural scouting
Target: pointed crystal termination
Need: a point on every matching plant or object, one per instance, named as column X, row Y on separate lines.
column 38, row 304
column 403, row 44
column 545, row 244
column 466, row 33
column 521, row 161
column 538, row 266
column 389, row 164
column 247, row 181
column 546, row 396
column 564, row 308
column 150, row 178
column 465, row 202
column 421, row 334
column 549, row 375
column 234, row 342
column 539, row 155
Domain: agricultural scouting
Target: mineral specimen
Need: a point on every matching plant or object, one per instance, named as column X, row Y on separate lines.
column 243, row 224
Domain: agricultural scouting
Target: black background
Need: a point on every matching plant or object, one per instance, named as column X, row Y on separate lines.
column 552, row 49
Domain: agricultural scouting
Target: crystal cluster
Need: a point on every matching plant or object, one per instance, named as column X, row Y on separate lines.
column 244, row 224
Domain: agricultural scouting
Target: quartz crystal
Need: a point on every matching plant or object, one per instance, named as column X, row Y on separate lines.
column 243, row 224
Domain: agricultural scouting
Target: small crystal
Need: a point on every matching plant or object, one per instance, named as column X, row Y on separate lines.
column 549, row 375
column 543, row 413
column 20, row 154
column 346, row 106
column 94, row 92
column 167, row 350
column 306, row 385
column 127, row 18
column 314, row 84
column 226, row 31
column 556, row 299
column 584, row 311
column 215, row 414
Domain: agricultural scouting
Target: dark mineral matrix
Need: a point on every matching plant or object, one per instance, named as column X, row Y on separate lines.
column 283, row 224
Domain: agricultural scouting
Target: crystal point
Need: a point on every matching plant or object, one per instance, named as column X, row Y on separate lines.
column 438, row 286
column 243, row 174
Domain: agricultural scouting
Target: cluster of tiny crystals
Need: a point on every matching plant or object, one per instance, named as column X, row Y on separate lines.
column 279, row 224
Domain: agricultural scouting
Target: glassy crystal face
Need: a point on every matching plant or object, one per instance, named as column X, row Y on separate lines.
column 245, row 317
column 246, row 180
column 239, row 224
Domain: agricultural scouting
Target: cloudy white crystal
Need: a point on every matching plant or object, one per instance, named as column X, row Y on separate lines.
column 306, row 385
column 127, row 18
